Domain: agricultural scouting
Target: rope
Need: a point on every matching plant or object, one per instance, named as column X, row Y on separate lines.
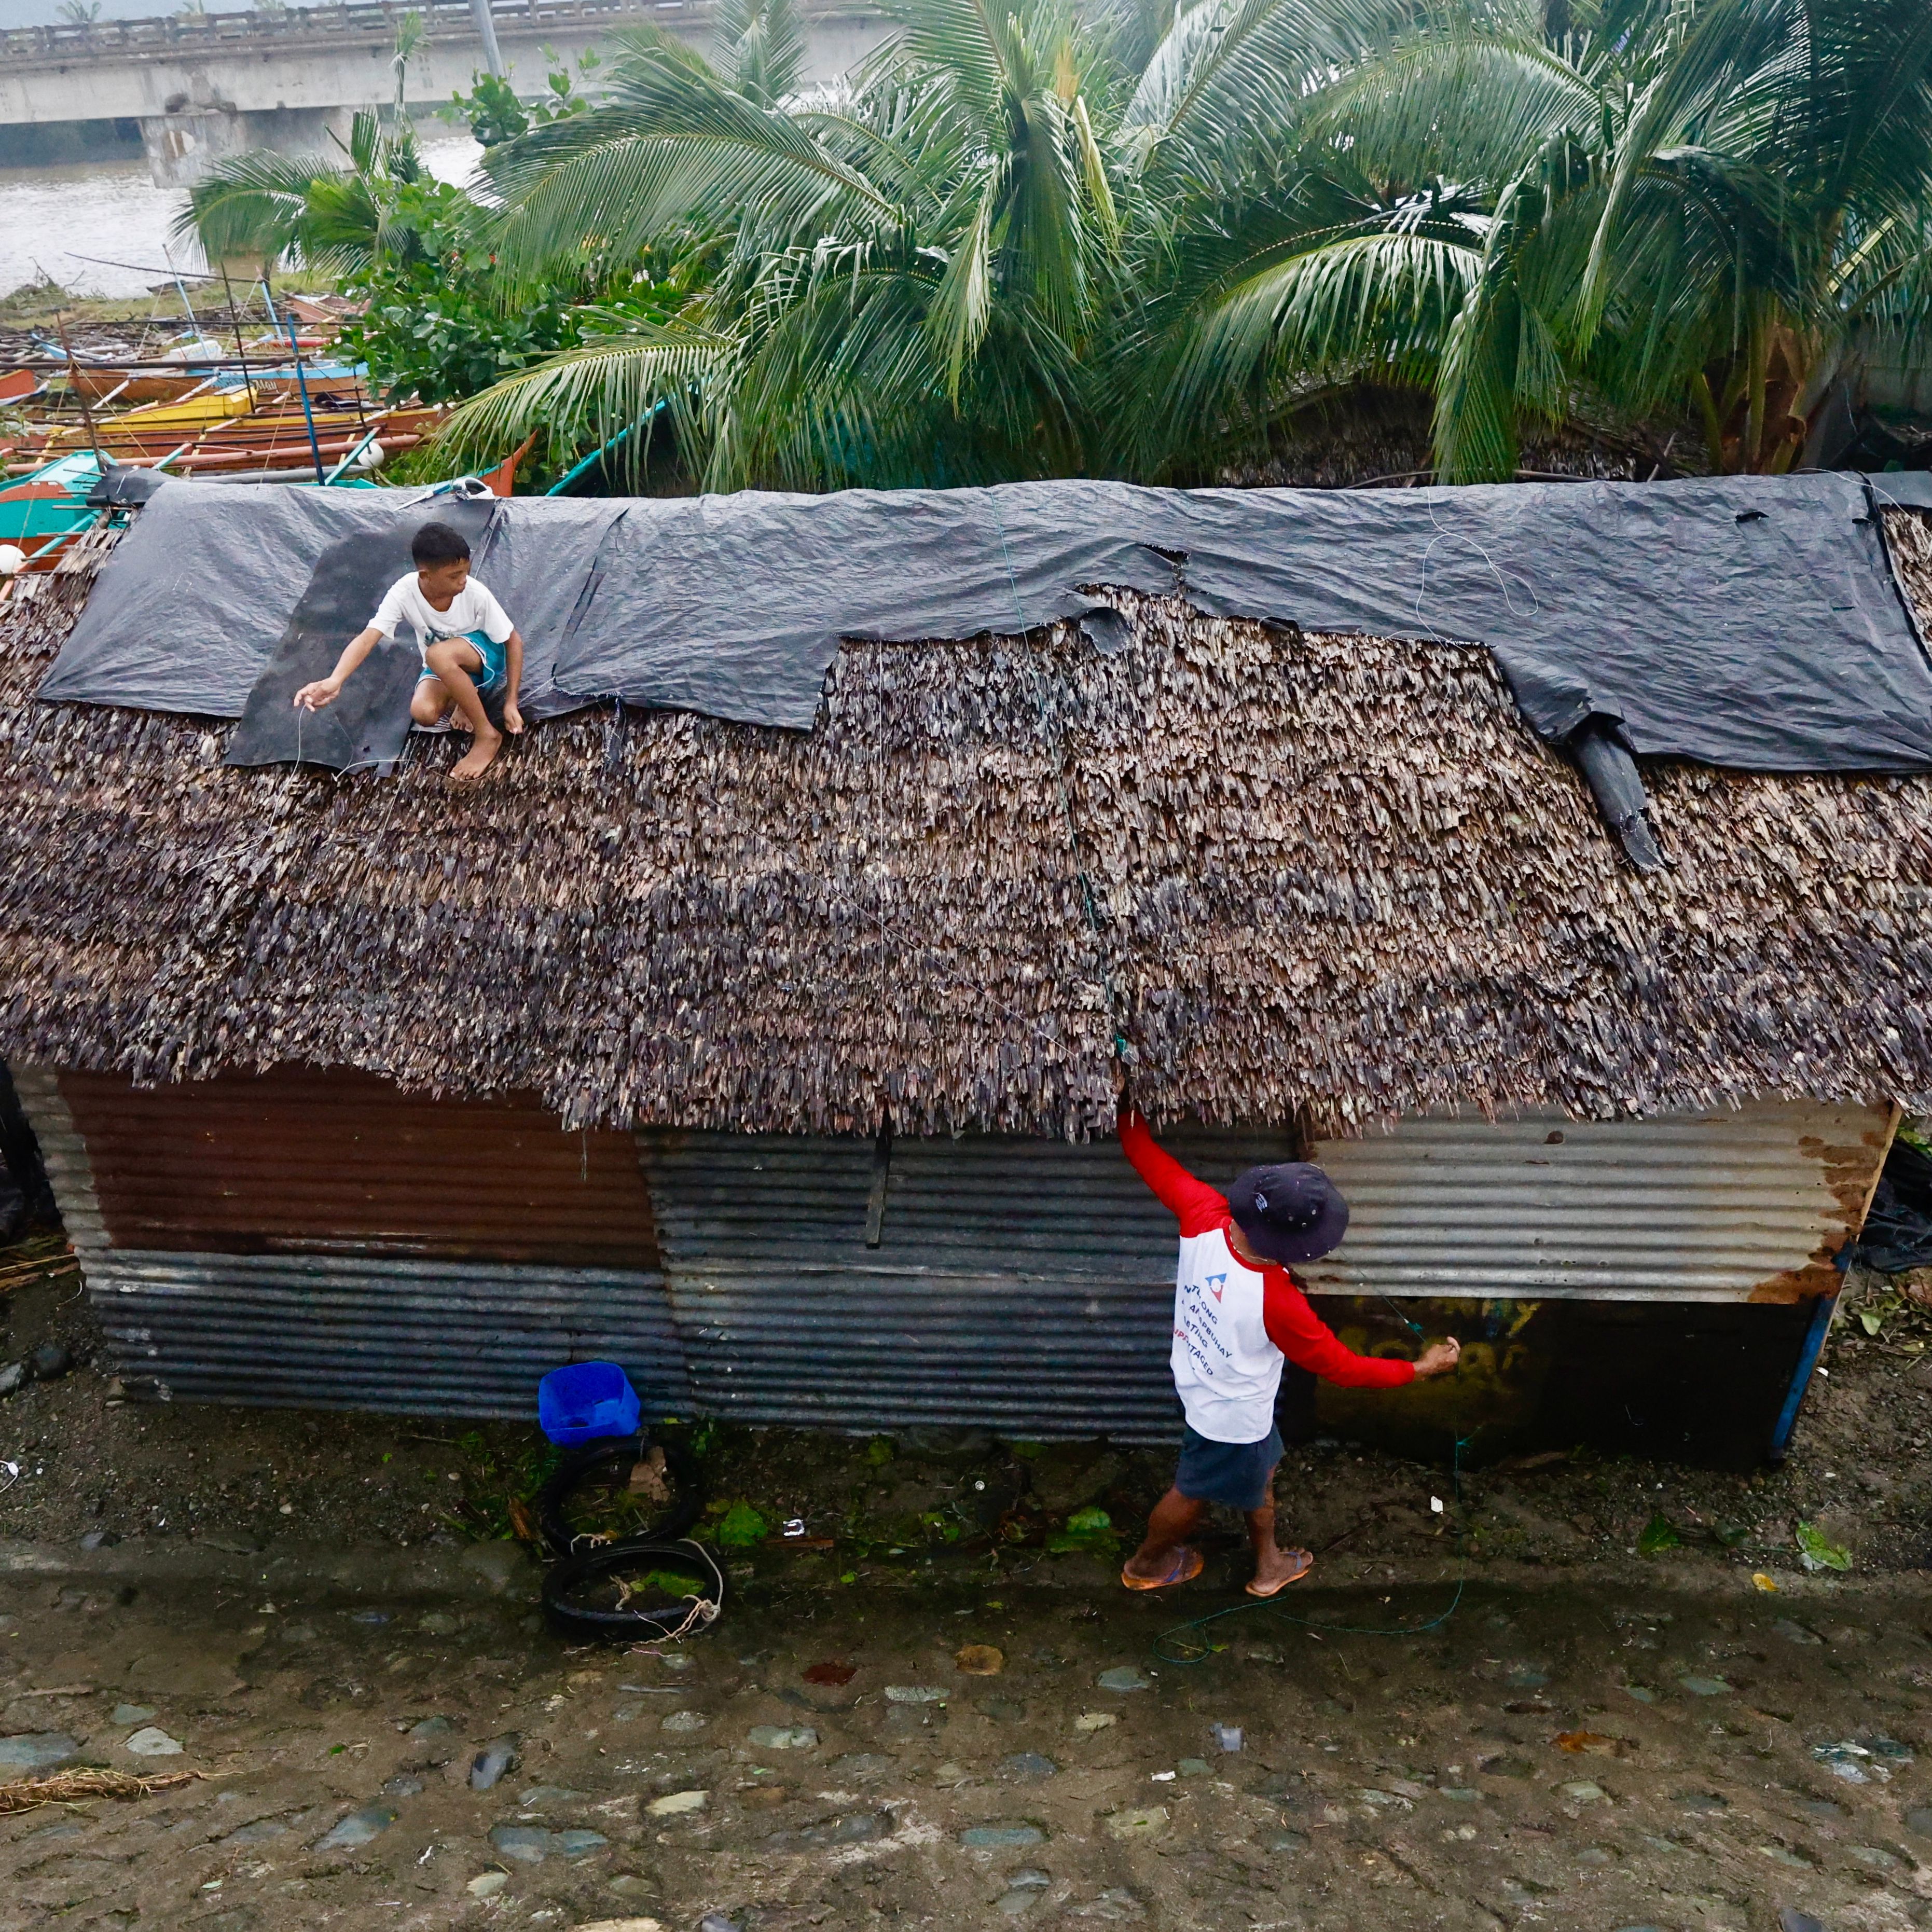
column 1414, row 1327
column 1122, row 1050
column 1495, row 570
column 1163, row 1645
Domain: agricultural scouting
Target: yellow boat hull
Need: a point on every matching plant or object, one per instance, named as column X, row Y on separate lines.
column 199, row 412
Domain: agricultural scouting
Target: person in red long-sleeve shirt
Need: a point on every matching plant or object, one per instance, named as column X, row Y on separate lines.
column 1238, row 1314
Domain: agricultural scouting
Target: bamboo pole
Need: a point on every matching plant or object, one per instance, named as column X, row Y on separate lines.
column 80, row 394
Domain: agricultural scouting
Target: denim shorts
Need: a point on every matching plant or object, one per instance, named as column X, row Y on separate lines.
column 496, row 666
column 1237, row 1474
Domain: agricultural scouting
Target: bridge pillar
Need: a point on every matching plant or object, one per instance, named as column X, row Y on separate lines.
column 182, row 144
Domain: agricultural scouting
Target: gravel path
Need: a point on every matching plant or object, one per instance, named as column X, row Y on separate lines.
column 1614, row 1756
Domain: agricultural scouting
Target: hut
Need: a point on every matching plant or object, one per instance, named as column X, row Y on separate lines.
column 781, row 1065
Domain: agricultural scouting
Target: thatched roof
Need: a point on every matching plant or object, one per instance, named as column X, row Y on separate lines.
column 1332, row 876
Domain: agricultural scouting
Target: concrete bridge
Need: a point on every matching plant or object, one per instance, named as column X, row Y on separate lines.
column 203, row 85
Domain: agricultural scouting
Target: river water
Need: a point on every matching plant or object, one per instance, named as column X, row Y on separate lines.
column 50, row 217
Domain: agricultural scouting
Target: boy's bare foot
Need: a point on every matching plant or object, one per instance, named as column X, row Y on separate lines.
column 478, row 759
column 1275, row 1569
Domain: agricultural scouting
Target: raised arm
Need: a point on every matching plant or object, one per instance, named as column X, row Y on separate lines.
column 1198, row 1206
column 326, row 690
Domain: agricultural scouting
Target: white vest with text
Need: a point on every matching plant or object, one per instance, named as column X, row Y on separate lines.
column 1225, row 1369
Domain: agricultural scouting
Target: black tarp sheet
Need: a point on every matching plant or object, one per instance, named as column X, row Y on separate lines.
column 1897, row 1232
column 1745, row 621
column 1903, row 489
column 367, row 724
column 198, row 596
column 186, row 610
column 540, row 567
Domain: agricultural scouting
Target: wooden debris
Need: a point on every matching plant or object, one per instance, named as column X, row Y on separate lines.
column 43, row 1258
column 1597, row 1743
column 1333, row 879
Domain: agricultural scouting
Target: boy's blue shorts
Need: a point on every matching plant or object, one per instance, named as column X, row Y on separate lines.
column 496, row 667
column 1237, row 1473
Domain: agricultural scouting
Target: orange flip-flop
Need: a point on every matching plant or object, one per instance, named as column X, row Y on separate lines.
column 1302, row 1568
column 1184, row 1566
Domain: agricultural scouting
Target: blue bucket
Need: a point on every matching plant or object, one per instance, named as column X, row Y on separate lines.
column 585, row 1400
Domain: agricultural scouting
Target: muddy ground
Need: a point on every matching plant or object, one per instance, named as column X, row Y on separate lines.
column 322, row 1611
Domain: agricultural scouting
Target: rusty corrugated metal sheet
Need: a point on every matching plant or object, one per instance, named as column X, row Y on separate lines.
column 64, row 1156
column 1746, row 1206
column 454, row 1336
column 1024, row 1285
column 301, row 1161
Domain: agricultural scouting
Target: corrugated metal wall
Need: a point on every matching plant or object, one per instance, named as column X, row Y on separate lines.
column 1023, row 1285
column 1733, row 1207
column 335, row 1180
column 299, row 1160
column 423, row 1338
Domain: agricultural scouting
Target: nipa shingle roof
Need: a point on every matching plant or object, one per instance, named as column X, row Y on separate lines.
column 1329, row 877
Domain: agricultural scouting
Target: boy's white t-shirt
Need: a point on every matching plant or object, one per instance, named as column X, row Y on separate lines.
column 472, row 608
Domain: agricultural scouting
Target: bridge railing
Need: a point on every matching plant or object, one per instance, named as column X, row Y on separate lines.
column 180, row 36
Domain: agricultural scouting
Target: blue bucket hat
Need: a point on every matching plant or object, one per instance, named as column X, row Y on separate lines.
column 1290, row 1213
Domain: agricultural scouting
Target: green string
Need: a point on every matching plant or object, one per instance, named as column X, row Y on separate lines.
column 1202, row 1651
column 1415, row 1328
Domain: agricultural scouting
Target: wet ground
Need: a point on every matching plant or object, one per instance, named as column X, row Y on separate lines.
column 1692, row 1753
column 326, row 1615
column 1860, row 1472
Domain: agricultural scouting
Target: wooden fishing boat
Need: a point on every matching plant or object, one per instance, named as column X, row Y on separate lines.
column 19, row 385
column 43, row 513
column 259, row 429
column 325, row 384
column 107, row 381
column 192, row 416
column 155, row 429
column 103, row 383
column 280, row 444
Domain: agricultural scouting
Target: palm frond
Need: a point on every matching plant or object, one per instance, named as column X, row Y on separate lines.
column 251, row 204
column 585, row 397
column 1368, row 306
column 1730, row 39
column 674, row 145
column 761, row 48
column 1234, row 77
column 1470, row 106
column 963, row 303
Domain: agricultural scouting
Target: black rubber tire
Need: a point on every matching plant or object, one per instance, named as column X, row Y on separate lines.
column 580, row 1464
column 624, row 1625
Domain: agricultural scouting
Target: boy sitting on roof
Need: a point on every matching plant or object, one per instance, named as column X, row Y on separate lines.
column 470, row 649
column 1237, row 1313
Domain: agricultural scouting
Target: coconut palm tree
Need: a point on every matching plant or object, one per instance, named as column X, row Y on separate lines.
column 1698, row 217
column 1042, row 241
column 332, row 217
column 926, row 279
column 1700, row 214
